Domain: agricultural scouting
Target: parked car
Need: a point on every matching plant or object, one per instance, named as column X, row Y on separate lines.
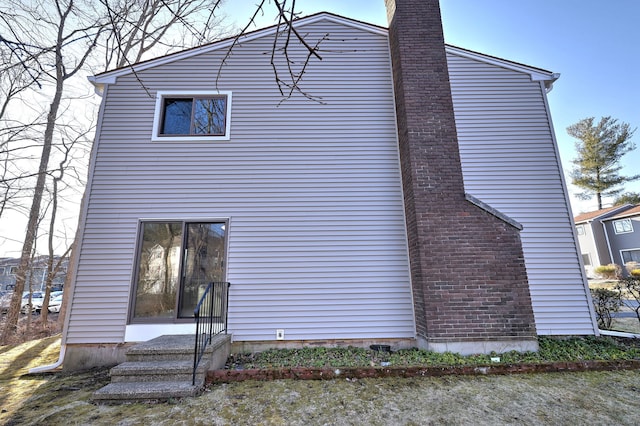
column 55, row 303
column 31, row 304
column 37, row 306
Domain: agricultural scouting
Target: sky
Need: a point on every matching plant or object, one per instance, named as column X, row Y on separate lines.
column 593, row 44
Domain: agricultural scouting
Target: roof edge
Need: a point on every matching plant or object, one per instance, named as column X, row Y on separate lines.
column 604, row 215
column 625, row 213
column 537, row 74
column 109, row 77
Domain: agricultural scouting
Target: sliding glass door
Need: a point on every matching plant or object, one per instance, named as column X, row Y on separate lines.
column 176, row 262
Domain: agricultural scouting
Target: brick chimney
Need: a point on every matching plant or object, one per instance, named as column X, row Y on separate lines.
column 469, row 282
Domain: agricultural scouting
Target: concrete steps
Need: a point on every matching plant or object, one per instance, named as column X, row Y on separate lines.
column 162, row 369
column 154, row 371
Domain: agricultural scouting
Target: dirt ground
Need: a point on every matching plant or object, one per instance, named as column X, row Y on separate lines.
column 535, row 399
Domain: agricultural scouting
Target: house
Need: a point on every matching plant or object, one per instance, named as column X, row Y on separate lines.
column 36, row 275
column 610, row 235
column 336, row 220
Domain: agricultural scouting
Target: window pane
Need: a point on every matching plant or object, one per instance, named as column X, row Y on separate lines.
column 177, row 116
column 204, row 262
column 586, row 259
column 158, row 270
column 622, row 226
column 631, row 256
column 209, row 116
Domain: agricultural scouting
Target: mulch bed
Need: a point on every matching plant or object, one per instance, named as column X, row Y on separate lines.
column 302, row 373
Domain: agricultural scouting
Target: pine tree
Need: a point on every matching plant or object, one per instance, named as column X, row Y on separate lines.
column 600, row 148
column 627, row 198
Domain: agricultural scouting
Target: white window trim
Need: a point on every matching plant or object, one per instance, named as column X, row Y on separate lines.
column 624, row 250
column 155, row 135
column 622, row 220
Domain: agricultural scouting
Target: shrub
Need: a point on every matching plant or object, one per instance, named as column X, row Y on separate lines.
column 605, row 302
column 609, row 272
column 629, row 289
column 635, row 273
column 631, row 265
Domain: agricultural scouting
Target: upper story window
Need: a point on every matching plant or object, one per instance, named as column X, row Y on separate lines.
column 580, row 229
column 622, row 226
column 192, row 116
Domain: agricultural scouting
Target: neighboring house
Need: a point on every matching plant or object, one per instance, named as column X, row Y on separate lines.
column 36, row 276
column 623, row 232
column 304, row 206
column 610, row 235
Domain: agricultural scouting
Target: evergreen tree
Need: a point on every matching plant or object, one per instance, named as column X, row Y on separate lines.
column 627, row 198
column 600, row 148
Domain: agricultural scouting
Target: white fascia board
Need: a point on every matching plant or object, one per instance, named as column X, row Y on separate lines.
column 621, row 216
column 607, row 215
column 536, row 74
column 110, row 77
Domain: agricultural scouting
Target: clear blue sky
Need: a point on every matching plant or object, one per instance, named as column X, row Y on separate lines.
column 594, row 45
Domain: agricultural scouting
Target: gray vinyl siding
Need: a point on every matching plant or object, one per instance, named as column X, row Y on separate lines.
column 317, row 243
column 594, row 242
column 587, row 246
column 510, row 162
column 624, row 241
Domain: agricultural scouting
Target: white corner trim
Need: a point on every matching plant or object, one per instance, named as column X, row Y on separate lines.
column 155, row 132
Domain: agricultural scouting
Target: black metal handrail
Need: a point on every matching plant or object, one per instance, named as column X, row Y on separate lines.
column 211, row 319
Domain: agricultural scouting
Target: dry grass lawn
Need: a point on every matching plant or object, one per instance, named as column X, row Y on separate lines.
column 567, row 398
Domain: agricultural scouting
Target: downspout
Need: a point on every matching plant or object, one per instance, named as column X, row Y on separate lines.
column 567, row 202
column 49, row 367
column 620, row 334
column 73, row 263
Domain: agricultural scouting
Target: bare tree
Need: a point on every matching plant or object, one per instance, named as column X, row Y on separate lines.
column 53, row 265
column 14, row 132
column 138, row 28
column 71, row 31
column 47, row 43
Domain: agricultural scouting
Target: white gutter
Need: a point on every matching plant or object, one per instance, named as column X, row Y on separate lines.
column 619, row 334
column 46, row 368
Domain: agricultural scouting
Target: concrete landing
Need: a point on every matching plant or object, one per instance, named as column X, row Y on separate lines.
column 162, row 368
